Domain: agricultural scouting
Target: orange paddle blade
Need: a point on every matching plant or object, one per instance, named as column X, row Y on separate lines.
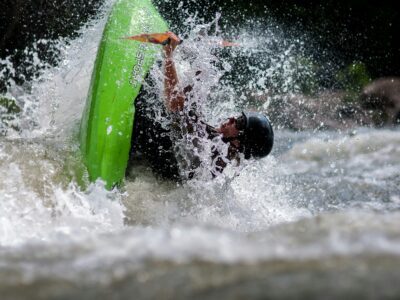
column 163, row 38
column 155, row 38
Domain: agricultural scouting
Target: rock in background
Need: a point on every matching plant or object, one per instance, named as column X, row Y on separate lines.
column 383, row 95
column 377, row 104
column 326, row 110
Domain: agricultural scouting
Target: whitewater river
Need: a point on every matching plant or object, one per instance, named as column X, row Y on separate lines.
column 319, row 218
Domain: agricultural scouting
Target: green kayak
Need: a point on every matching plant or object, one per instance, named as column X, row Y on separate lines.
column 120, row 67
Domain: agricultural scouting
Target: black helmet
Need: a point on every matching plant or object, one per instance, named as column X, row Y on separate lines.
column 258, row 137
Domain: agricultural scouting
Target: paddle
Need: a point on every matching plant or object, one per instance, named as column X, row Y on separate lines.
column 155, row 38
column 164, row 39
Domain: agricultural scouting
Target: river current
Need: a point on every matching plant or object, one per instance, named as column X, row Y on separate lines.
column 319, row 218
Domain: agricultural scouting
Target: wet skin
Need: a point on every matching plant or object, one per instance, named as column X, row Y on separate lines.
column 229, row 129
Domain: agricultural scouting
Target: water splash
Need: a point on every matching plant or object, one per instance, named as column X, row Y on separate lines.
column 246, row 197
column 37, row 202
column 47, row 99
column 294, row 215
column 252, row 197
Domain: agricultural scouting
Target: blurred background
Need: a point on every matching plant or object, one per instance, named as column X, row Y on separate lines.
column 348, row 45
column 351, row 30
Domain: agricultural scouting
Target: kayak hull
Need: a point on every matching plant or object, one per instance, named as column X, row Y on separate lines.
column 120, row 67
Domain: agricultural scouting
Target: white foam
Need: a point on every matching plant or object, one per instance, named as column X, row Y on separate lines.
column 35, row 208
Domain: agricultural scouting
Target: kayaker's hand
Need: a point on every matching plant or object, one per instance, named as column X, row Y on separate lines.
column 172, row 41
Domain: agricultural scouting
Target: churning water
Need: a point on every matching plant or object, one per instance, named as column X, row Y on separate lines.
column 319, row 218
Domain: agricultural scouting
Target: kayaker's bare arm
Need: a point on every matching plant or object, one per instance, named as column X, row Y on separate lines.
column 174, row 95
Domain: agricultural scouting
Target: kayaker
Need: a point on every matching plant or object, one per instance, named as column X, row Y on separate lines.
column 250, row 133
